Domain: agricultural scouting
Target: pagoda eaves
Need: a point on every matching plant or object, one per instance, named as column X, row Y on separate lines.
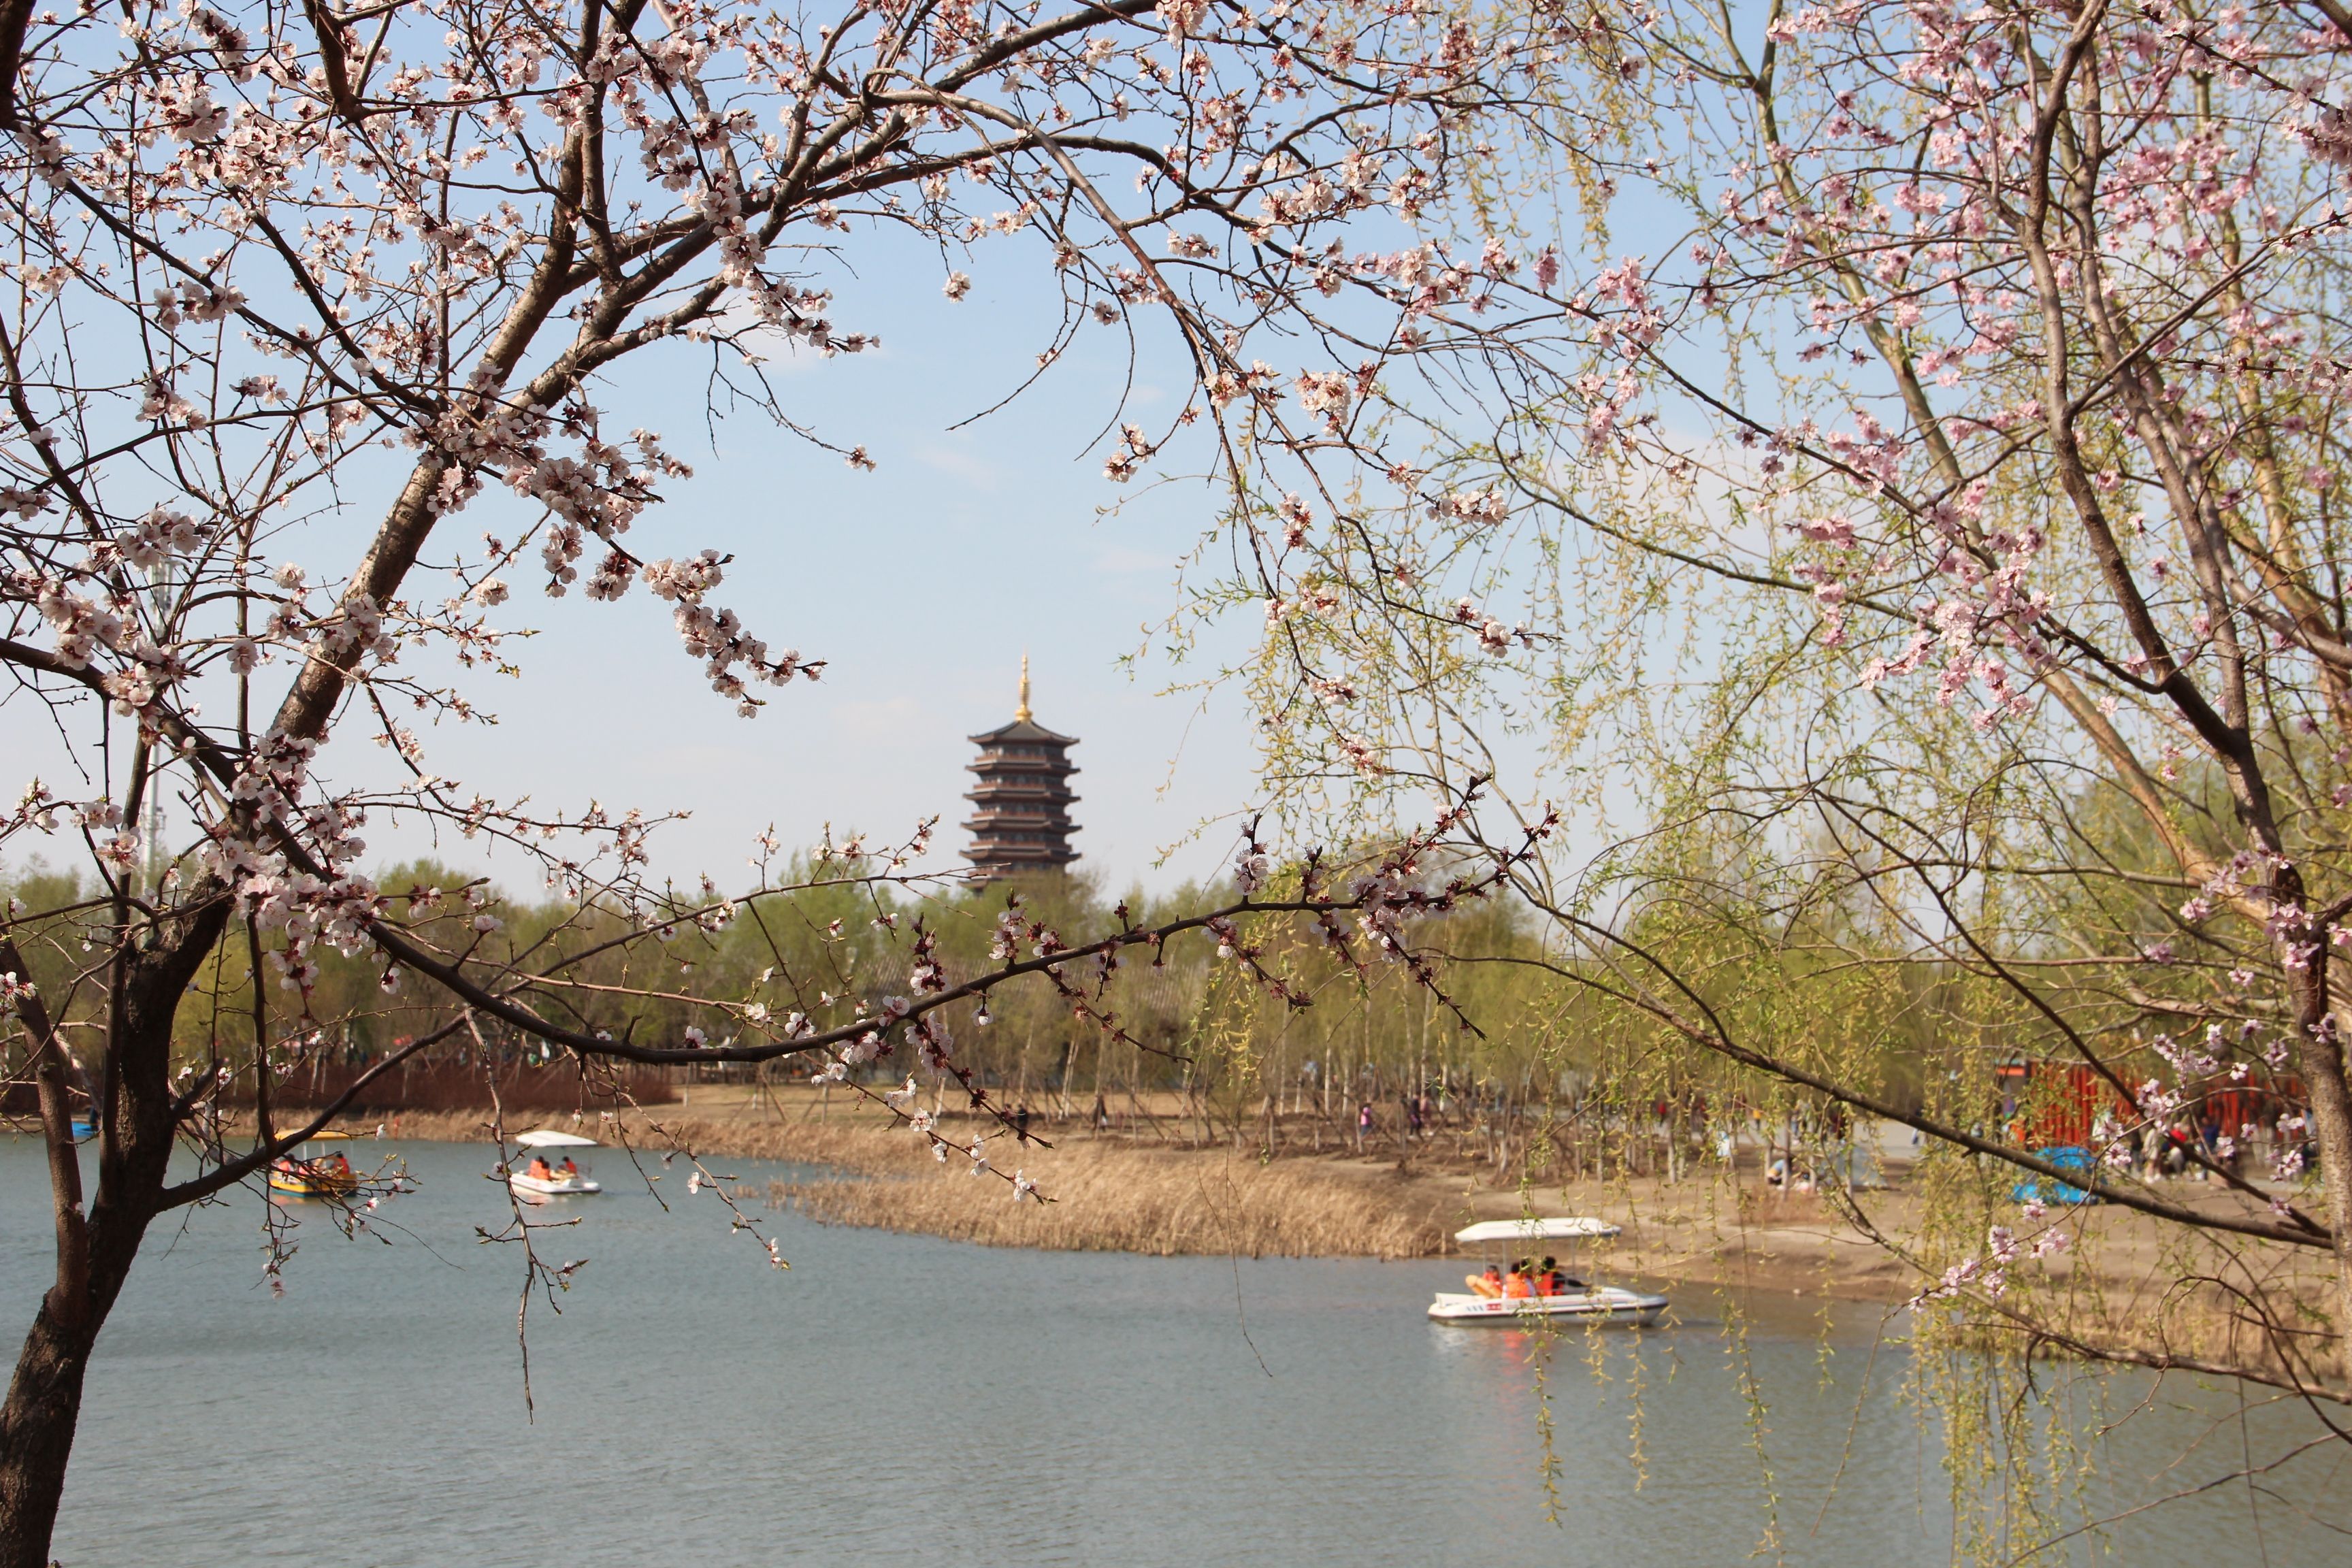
column 1021, row 797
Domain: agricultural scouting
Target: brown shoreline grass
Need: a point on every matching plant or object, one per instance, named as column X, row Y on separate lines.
column 1104, row 1194
column 1106, row 1197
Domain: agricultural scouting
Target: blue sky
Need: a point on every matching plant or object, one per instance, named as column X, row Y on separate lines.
column 921, row 585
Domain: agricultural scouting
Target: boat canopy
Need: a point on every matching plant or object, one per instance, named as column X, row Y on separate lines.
column 328, row 1135
column 1534, row 1230
column 547, row 1138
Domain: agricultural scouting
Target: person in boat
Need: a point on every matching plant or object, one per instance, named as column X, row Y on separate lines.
column 539, row 1170
column 1489, row 1284
column 1519, row 1283
column 336, row 1166
column 568, row 1170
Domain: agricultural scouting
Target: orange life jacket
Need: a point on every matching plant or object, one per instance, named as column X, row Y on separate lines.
column 1516, row 1285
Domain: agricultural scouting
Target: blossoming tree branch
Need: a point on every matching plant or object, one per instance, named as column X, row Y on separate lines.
column 293, row 289
column 1919, row 489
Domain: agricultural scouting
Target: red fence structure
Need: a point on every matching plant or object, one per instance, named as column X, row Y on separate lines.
column 450, row 1086
column 2049, row 1104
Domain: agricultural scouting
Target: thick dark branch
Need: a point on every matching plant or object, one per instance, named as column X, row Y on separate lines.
column 15, row 20
column 69, row 1299
column 334, row 59
column 2337, row 16
column 453, row 978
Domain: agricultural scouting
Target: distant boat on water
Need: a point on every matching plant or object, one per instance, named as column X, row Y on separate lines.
column 540, row 1180
column 308, row 1173
column 1552, row 1294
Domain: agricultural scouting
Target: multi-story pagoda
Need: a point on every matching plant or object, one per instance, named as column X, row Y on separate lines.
column 1021, row 803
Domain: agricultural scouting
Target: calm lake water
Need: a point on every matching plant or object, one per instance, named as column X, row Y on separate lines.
column 896, row 1398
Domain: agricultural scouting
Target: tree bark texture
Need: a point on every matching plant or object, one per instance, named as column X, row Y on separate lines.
column 94, row 1254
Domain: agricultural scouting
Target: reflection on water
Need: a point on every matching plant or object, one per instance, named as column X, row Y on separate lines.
column 894, row 1398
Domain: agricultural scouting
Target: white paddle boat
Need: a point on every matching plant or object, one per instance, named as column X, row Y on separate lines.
column 1561, row 1292
column 538, row 1177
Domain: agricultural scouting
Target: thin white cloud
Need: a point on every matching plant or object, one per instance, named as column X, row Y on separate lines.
column 894, row 717
column 964, row 465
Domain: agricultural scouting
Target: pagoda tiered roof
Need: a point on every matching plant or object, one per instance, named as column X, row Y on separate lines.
column 1021, row 796
column 1021, row 730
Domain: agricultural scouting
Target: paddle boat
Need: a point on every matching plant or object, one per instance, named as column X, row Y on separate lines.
column 538, row 1178
column 2069, row 1157
column 313, row 1172
column 1584, row 1299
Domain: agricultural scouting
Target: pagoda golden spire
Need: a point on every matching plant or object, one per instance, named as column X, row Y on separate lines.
column 1021, row 797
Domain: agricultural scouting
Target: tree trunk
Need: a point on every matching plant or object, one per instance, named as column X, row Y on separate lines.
column 94, row 1255
column 2330, row 1111
column 2319, row 1053
column 37, row 1423
column 44, row 1407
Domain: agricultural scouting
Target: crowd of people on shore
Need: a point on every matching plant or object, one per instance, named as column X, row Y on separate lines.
column 2194, row 1147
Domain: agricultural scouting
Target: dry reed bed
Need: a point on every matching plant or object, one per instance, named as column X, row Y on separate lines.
column 1108, row 1197
column 1105, row 1197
